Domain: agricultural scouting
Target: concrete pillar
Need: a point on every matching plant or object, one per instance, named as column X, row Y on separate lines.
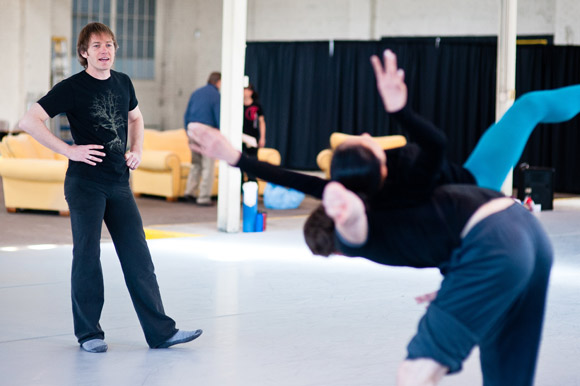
column 232, row 101
column 506, row 68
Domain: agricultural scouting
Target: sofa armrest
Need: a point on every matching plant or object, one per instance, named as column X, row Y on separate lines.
column 33, row 169
column 270, row 155
column 386, row 142
column 323, row 160
column 159, row 160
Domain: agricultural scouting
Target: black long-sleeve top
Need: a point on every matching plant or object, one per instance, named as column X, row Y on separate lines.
column 416, row 218
column 423, row 235
column 414, row 170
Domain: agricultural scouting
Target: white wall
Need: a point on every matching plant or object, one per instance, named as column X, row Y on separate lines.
column 26, row 29
column 188, row 37
column 10, row 103
column 567, row 22
column 27, row 41
column 373, row 19
column 277, row 20
column 189, row 49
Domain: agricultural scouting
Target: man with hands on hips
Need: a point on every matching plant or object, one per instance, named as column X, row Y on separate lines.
column 104, row 116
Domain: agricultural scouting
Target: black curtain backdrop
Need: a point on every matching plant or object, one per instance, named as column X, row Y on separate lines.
column 309, row 90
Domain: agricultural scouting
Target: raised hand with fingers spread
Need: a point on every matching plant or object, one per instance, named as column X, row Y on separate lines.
column 390, row 81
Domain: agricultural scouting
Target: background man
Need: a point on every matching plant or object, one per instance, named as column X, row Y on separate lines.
column 203, row 108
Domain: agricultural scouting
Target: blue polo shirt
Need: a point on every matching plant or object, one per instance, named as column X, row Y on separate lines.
column 204, row 106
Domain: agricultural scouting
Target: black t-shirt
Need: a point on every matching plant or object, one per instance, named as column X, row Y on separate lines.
column 252, row 114
column 98, row 113
column 423, row 235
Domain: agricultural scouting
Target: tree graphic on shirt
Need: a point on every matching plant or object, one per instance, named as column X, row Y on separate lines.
column 105, row 110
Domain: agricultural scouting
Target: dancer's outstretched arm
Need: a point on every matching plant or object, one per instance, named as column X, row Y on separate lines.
column 431, row 140
column 210, row 142
column 501, row 146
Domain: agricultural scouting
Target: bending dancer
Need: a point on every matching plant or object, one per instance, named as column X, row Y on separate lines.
column 407, row 175
column 495, row 259
column 104, row 115
column 469, row 233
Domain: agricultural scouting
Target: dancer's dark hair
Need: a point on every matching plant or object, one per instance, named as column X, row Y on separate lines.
column 357, row 168
column 319, row 232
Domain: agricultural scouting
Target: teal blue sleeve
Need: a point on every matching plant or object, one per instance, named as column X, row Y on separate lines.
column 501, row 146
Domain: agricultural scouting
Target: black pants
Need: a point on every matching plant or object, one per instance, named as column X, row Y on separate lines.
column 90, row 203
column 493, row 295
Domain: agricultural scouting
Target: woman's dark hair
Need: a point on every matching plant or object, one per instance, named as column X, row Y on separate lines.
column 357, row 168
column 319, row 232
column 254, row 92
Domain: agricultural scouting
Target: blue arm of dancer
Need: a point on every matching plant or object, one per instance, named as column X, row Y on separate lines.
column 310, row 185
column 431, row 141
column 501, row 145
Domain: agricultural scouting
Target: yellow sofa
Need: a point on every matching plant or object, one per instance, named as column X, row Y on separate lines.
column 324, row 158
column 272, row 156
column 164, row 165
column 166, row 162
column 32, row 175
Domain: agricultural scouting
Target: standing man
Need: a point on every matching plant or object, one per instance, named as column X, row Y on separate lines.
column 203, row 108
column 104, row 115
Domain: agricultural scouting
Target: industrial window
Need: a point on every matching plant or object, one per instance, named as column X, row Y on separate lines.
column 132, row 21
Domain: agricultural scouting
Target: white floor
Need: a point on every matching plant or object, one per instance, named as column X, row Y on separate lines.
column 272, row 314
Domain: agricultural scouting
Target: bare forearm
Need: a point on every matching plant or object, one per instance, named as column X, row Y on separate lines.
column 136, row 134
column 263, row 131
column 33, row 124
column 136, row 128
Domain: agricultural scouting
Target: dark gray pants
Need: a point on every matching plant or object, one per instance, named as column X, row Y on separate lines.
column 90, row 203
column 493, row 295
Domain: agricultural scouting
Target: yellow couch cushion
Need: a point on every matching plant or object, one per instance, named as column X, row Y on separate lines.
column 32, row 175
column 386, row 142
column 165, row 164
column 24, row 146
column 324, row 158
column 33, row 169
column 270, row 155
column 20, row 146
column 171, row 140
